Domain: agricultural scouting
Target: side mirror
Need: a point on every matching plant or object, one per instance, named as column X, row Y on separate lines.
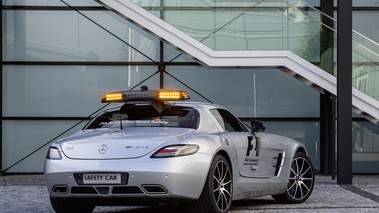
column 257, row 126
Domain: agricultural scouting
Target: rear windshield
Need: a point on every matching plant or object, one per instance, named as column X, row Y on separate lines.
column 145, row 115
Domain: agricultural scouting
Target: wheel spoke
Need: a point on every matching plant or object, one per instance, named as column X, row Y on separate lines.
column 221, row 171
column 305, row 186
column 227, row 192
column 218, row 172
column 216, row 179
column 296, row 188
column 294, row 173
column 221, row 203
column 226, row 202
column 218, row 199
column 301, row 190
column 289, row 188
column 307, row 178
column 226, row 173
column 217, row 189
column 297, row 166
column 302, row 166
column 227, row 183
column 302, row 174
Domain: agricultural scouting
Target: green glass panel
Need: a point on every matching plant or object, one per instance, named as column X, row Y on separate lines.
column 33, row 135
column 70, row 91
column 271, row 25
column 246, row 92
column 365, row 147
column 39, row 35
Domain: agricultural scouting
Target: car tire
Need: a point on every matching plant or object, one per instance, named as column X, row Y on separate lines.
column 301, row 181
column 64, row 206
column 217, row 193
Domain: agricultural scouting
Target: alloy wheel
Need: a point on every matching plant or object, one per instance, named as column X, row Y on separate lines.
column 301, row 179
column 222, row 186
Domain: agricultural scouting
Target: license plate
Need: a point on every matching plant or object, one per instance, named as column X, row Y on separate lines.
column 101, row 178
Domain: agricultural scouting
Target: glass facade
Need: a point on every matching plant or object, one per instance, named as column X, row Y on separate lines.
column 271, row 25
column 57, row 64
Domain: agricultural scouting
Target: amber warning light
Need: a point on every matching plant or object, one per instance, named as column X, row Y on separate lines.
column 112, row 97
column 157, row 95
column 173, row 95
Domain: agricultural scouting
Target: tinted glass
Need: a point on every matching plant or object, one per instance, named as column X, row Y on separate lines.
column 228, row 121
column 146, row 115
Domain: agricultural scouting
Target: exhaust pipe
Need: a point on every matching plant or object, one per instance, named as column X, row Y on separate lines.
column 60, row 189
column 154, row 189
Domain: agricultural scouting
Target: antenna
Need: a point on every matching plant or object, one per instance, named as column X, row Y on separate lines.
column 121, row 122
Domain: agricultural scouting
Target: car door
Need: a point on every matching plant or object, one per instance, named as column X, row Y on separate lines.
column 252, row 151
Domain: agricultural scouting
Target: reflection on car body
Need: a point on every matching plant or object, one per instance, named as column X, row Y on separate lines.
column 156, row 149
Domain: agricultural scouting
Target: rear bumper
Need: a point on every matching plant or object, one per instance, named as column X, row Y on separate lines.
column 165, row 178
column 125, row 201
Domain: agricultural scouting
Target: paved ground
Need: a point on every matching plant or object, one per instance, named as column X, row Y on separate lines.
column 27, row 193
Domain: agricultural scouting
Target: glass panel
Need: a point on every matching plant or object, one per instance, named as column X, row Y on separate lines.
column 314, row 3
column 20, row 138
column 67, row 36
column 305, row 132
column 365, row 23
column 365, row 147
column 172, row 55
column 247, row 25
column 365, row 66
column 49, row 2
column 365, row 3
column 247, row 92
column 54, row 91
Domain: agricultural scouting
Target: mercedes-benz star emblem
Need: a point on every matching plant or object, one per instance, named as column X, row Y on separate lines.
column 103, row 149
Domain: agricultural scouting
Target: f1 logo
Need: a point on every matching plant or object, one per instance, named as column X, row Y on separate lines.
column 249, row 145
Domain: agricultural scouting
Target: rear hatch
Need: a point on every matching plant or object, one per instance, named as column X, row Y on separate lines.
column 131, row 142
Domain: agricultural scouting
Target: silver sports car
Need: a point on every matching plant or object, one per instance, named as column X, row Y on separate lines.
column 154, row 148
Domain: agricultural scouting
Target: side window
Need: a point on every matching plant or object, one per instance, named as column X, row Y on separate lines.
column 227, row 121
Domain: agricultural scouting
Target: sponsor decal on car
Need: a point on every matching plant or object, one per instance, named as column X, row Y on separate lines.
column 136, row 147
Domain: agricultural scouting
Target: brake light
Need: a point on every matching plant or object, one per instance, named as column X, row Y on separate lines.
column 176, row 151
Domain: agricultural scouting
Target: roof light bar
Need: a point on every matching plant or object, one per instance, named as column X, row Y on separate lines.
column 157, row 95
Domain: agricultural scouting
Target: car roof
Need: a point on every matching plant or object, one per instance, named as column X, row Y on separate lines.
column 176, row 103
column 195, row 104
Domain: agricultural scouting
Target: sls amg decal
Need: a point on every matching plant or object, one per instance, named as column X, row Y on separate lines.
column 136, row 147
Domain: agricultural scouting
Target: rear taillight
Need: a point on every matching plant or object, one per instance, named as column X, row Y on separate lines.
column 53, row 154
column 176, row 151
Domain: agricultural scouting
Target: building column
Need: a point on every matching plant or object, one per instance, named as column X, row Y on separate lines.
column 327, row 100
column 344, row 92
column 1, row 93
